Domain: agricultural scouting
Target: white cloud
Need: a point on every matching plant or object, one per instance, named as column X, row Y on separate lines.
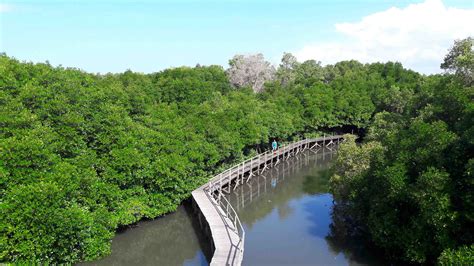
column 418, row 35
column 5, row 8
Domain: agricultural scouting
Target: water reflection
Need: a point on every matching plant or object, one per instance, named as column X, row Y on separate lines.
column 318, row 210
column 287, row 216
column 345, row 237
column 174, row 239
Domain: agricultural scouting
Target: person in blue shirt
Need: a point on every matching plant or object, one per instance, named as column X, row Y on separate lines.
column 274, row 145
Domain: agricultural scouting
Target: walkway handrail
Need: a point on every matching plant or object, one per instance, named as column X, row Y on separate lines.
column 216, row 183
column 231, row 214
column 278, row 151
column 225, row 205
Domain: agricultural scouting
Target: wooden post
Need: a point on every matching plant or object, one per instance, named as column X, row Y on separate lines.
column 278, row 156
column 264, row 162
column 243, row 172
column 243, row 199
column 316, row 159
column 258, row 164
column 240, row 174
column 251, row 192
column 236, row 178
column 258, row 188
column 251, row 168
column 220, row 194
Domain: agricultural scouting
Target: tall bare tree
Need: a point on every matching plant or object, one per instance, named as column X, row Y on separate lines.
column 250, row 70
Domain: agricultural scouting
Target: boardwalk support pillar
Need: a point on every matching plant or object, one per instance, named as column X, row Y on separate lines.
column 226, row 230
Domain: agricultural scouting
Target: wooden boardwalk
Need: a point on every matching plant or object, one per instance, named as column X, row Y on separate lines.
column 227, row 232
column 254, row 191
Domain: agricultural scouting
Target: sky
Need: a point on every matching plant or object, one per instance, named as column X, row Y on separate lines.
column 148, row 36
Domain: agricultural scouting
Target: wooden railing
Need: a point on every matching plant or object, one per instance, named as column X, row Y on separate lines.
column 253, row 166
column 230, row 213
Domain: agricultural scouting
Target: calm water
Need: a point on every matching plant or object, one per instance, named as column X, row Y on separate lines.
column 174, row 239
column 287, row 216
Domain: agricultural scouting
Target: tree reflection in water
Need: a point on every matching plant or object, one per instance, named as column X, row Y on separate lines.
column 346, row 237
column 174, row 239
column 288, row 217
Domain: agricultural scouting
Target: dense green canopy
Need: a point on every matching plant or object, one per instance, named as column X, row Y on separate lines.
column 410, row 188
column 83, row 154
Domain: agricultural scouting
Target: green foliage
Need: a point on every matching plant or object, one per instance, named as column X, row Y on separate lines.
column 460, row 60
column 410, row 186
column 383, row 125
column 82, row 154
column 413, row 195
column 461, row 256
column 352, row 162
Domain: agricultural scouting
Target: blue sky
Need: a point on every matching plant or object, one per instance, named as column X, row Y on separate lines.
column 147, row 36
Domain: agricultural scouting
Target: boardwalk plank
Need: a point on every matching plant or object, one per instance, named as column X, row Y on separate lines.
column 228, row 242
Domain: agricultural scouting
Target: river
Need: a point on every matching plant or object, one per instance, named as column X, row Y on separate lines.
column 287, row 217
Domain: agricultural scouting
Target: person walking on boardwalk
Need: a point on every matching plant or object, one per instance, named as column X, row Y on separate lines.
column 274, row 145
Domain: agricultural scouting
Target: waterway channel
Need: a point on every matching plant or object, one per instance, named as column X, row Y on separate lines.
column 287, row 215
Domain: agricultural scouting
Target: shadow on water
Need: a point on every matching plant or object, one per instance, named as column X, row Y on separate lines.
column 347, row 238
column 174, row 239
column 278, row 186
column 317, row 183
column 204, row 240
column 287, row 213
column 288, row 216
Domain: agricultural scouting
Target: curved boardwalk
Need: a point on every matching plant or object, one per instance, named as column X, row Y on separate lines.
column 226, row 231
